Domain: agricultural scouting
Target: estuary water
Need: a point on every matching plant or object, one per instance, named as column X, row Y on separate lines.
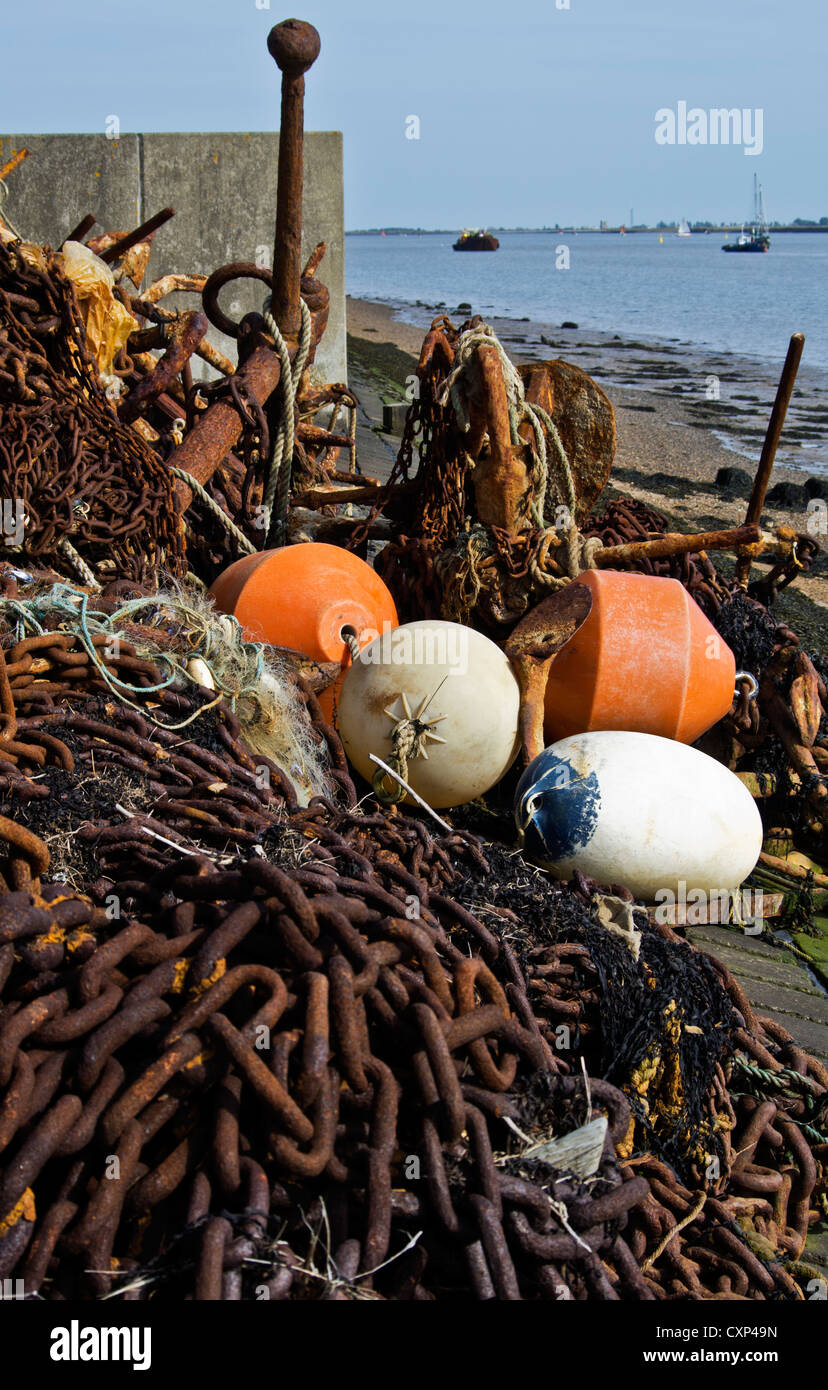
column 678, row 289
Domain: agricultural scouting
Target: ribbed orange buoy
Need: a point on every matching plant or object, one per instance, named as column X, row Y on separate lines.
column 303, row 596
column 646, row 660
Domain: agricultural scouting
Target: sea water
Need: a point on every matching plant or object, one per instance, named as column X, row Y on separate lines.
column 675, row 288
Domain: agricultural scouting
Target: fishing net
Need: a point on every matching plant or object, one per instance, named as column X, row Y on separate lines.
column 179, row 631
column 656, row 1027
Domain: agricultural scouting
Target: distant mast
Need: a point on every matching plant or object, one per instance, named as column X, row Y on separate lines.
column 757, row 239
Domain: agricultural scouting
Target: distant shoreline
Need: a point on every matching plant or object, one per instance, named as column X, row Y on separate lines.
column 727, row 229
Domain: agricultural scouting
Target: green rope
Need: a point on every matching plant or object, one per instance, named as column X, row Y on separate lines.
column 24, row 617
column 785, row 1080
column 72, row 608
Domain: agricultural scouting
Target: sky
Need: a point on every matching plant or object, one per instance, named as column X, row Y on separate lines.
column 528, row 112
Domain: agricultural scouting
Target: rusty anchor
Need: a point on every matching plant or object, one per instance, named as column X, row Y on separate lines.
column 533, row 646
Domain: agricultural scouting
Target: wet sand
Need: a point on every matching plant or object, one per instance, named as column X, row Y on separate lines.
column 673, row 433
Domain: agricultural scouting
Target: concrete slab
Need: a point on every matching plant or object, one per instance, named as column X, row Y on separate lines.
column 776, row 983
column 376, row 451
column 777, row 971
column 813, row 1037
column 67, row 176
column 223, row 187
column 716, row 938
column 765, row 995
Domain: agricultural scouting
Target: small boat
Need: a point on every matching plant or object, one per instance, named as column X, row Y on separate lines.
column 756, row 239
column 476, row 241
column 684, row 228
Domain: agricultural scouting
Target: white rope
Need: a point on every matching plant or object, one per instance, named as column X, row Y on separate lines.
column 78, row 563
column 212, row 505
column 519, row 410
column 277, row 484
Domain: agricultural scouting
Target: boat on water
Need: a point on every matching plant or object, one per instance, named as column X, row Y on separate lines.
column 684, row 228
column 476, row 241
column 756, row 239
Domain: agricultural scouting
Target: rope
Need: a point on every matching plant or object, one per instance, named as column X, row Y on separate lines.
column 277, row 485
column 78, row 563
column 212, row 505
column 786, row 1079
column 208, row 640
column 580, row 552
column 408, row 740
column 519, row 410
column 351, row 641
column 673, row 1232
column 352, row 434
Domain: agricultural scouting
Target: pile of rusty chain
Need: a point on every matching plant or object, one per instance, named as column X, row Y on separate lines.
column 438, row 506
column 274, row 1078
column 409, row 567
column 772, row 1200
column 60, row 709
column 620, row 521
column 760, row 1174
column 77, row 474
column 115, row 505
column 776, row 733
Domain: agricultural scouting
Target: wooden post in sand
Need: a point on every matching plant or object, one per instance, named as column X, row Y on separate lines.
column 775, row 425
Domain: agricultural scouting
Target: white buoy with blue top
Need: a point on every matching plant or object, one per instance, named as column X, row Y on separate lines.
column 638, row 810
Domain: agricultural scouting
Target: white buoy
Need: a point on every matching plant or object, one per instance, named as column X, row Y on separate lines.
column 442, row 696
column 639, row 810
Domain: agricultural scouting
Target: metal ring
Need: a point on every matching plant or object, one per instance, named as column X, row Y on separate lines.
column 237, row 270
column 746, row 676
column 382, row 793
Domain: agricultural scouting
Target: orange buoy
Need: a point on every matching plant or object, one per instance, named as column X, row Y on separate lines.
column 646, row 660
column 305, row 596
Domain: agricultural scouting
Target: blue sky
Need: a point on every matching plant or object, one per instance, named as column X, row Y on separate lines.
column 529, row 114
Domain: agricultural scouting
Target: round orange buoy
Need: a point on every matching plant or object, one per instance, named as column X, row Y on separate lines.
column 646, row 660
column 304, row 596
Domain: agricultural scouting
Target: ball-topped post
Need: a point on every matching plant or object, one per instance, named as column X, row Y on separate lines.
column 294, row 45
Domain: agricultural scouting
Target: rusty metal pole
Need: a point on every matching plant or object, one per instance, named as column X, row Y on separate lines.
column 294, row 45
column 677, row 543
column 775, row 426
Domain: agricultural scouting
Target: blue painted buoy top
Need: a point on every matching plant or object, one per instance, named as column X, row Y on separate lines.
column 640, row 810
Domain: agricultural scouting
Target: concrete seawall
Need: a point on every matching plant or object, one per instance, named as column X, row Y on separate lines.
column 223, row 187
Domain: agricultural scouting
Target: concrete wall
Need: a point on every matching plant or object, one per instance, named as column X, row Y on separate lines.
column 223, row 187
